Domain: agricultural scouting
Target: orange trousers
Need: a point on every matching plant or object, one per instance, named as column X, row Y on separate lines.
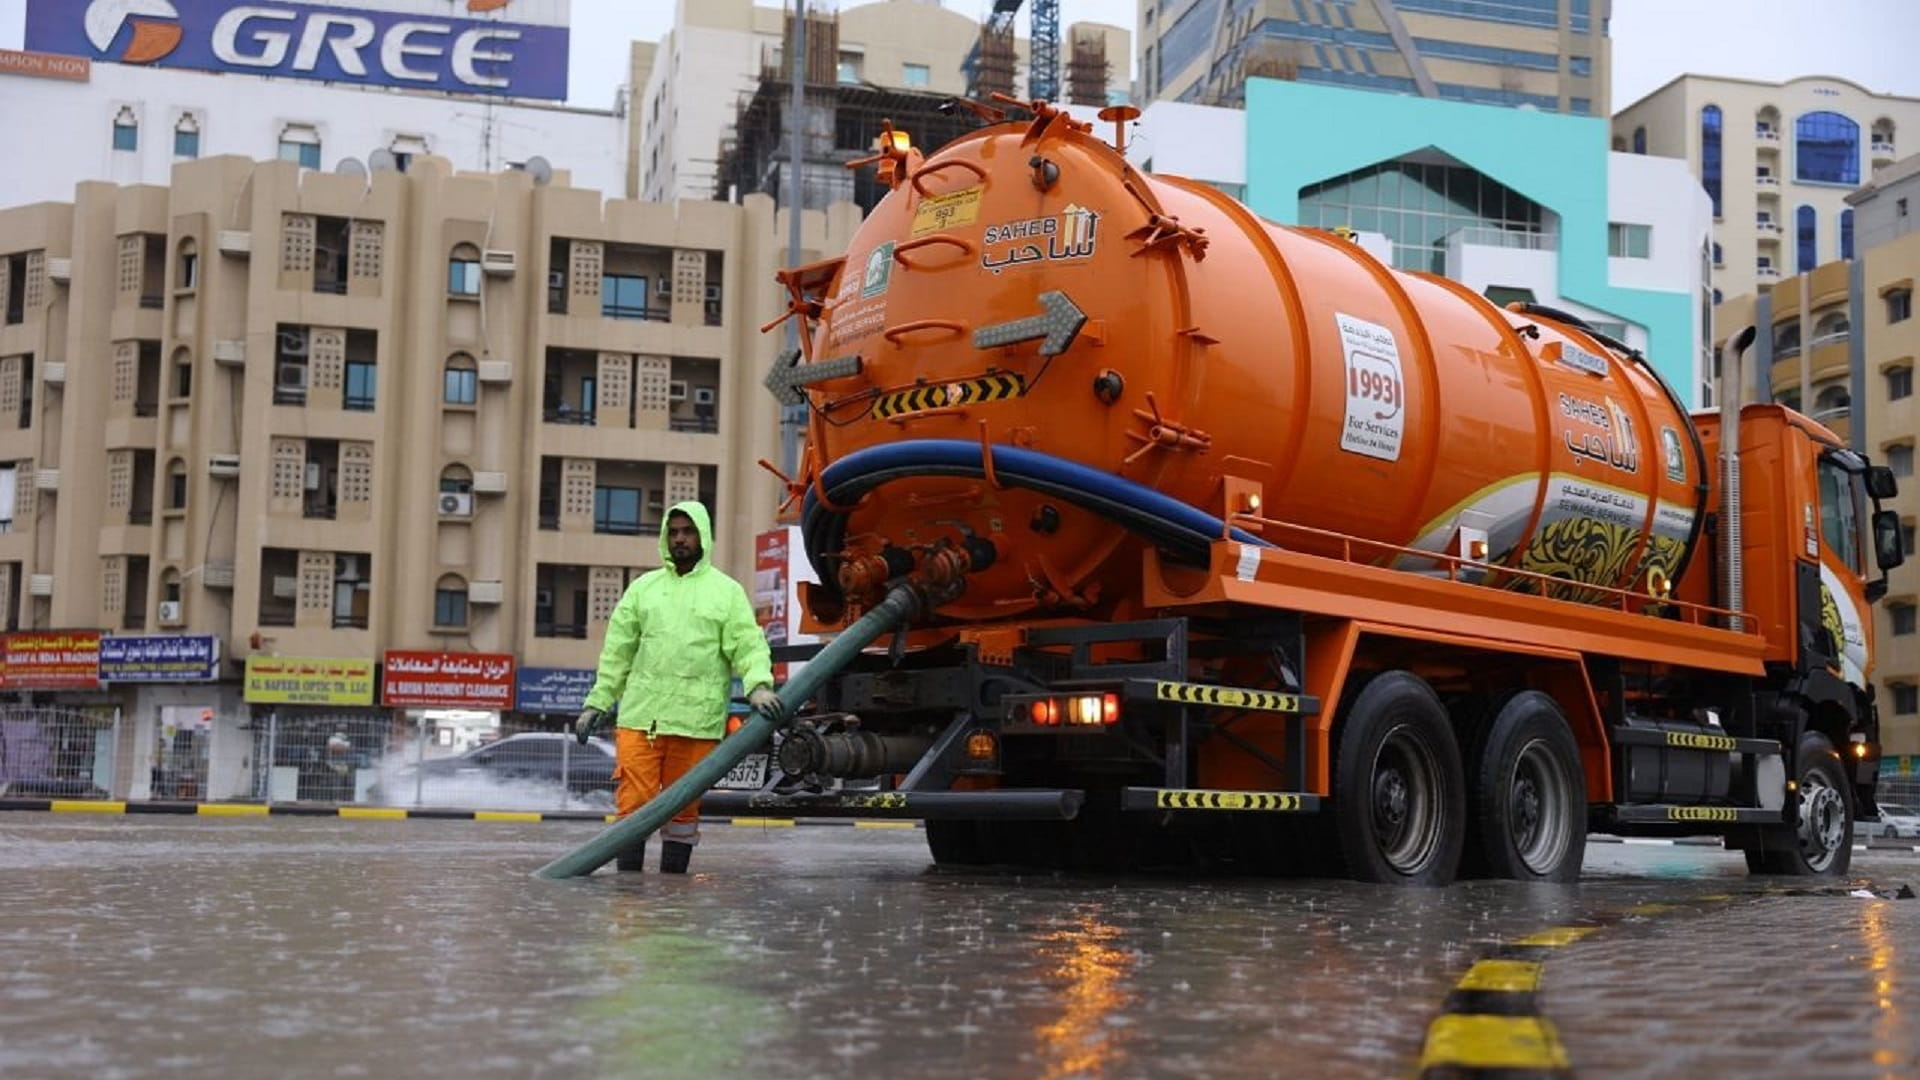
column 644, row 764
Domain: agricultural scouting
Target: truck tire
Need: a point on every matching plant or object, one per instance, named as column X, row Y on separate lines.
column 1399, row 799
column 1530, row 794
column 957, row 843
column 1820, row 842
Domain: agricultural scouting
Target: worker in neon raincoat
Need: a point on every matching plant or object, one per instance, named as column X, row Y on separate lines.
column 678, row 637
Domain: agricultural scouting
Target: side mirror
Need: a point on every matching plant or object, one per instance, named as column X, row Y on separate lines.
column 1880, row 482
column 1888, row 552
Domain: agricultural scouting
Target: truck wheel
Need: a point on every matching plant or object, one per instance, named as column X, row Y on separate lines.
column 956, row 843
column 1530, row 794
column 1399, row 812
column 1821, row 841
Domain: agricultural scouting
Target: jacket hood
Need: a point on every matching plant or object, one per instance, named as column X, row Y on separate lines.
column 701, row 521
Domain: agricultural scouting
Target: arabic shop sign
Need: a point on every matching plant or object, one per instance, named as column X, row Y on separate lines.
column 52, row 660
column 516, row 48
column 553, row 690
column 456, row 680
column 160, row 658
column 293, row 680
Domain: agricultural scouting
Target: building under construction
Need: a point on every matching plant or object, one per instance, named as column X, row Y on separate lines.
column 842, row 122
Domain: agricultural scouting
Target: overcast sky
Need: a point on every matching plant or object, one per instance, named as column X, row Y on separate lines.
column 1871, row 42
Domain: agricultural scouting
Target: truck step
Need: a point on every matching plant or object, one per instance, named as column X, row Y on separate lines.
column 1669, row 814
column 1220, row 697
column 1692, row 740
column 1271, row 802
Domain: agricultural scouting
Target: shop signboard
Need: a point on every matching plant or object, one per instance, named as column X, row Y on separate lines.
column 297, row 680
column 160, row 658
column 52, row 660
column 447, row 680
column 553, row 690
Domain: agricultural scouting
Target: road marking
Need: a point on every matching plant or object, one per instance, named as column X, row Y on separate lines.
column 1502, row 976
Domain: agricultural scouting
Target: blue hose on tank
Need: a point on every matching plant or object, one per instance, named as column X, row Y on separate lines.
column 1184, row 530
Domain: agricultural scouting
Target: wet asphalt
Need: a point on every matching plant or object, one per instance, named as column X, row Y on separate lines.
column 286, row 947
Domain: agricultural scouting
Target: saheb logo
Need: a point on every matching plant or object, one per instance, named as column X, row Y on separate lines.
column 151, row 40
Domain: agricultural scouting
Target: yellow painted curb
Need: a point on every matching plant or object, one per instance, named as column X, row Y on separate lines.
column 384, row 813
column 1493, row 1042
column 1559, row 935
column 885, row 824
column 505, row 815
column 230, row 810
column 80, row 806
column 776, row 823
column 1502, row 976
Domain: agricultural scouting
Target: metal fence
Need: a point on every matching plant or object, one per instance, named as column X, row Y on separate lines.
column 55, row 752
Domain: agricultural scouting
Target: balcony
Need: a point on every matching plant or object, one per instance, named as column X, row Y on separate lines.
column 1766, row 136
column 152, row 301
column 1766, row 227
column 1883, row 150
column 1768, row 275
column 1766, row 180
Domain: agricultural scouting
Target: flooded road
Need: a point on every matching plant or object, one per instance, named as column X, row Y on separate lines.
column 326, row 948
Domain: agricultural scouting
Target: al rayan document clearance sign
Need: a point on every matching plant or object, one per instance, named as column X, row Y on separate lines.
column 451, row 680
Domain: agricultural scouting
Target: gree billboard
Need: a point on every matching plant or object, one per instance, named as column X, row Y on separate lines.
column 511, row 47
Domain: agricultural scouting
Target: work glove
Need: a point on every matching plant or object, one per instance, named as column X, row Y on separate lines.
column 765, row 702
column 591, row 720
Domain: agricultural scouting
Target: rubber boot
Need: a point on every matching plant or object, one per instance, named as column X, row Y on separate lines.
column 632, row 860
column 674, row 856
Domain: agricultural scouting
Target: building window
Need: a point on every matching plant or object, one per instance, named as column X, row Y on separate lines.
column 1826, row 149
column 300, row 143
column 1806, row 228
column 126, row 130
column 186, row 137
column 361, row 382
column 1832, row 403
column 1899, row 305
column 182, row 373
column 177, row 485
column 1899, row 383
column 1421, row 206
column 1580, row 66
column 1710, row 154
column 1901, row 617
column 623, row 296
column 849, row 68
column 189, row 266
column 1629, row 241
column 1899, row 208
column 1906, row 700
column 450, row 601
column 1640, row 140
column 1719, row 257
column 462, row 386
column 456, row 480
column 915, row 74
column 616, row 510
column 1906, row 537
column 1900, row 460
column 1716, row 296
column 463, row 271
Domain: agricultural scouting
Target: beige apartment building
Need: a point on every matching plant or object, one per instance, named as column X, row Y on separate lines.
column 1839, row 343
column 1778, row 160
column 1550, row 55
column 325, row 415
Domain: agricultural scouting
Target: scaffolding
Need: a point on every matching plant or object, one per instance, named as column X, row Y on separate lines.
column 1087, row 68
column 993, row 63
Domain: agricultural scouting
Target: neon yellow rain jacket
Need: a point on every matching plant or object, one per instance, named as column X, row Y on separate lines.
column 676, row 640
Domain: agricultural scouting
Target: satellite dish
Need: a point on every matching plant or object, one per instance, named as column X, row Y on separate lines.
column 383, row 160
column 350, row 166
column 540, row 169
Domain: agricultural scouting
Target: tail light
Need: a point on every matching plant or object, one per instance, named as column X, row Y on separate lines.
column 1069, row 711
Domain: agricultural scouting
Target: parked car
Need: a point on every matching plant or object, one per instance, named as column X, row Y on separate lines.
column 536, row 768
column 1896, row 821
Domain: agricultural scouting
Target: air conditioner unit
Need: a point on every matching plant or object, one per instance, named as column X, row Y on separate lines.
column 713, row 292
column 315, row 475
column 170, row 612
column 489, row 483
column 347, row 568
column 55, row 372
column 59, row 269
column 543, row 598
column 556, row 279
column 677, row 390
column 703, row 395
column 291, row 377
column 235, row 242
column 486, row 592
column 230, row 351
column 456, row 504
column 496, row 263
column 47, row 480
column 495, row 371
column 223, row 465
column 285, row 586
column 40, row 585
column 293, row 343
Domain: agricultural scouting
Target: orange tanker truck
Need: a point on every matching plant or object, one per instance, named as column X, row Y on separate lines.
column 1233, row 541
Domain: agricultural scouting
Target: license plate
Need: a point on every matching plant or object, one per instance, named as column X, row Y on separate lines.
column 749, row 775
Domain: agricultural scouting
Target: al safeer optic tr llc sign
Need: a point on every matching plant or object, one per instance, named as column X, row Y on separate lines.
column 516, row 48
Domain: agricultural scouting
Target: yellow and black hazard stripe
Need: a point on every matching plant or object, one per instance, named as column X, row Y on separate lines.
column 139, row 808
column 1273, row 802
column 1229, row 697
column 950, row 395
